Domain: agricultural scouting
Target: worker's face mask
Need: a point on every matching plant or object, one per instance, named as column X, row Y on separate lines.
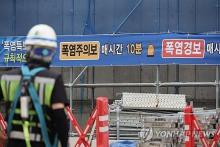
column 43, row 52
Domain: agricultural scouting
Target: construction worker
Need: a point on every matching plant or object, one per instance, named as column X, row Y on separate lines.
column 35, row 96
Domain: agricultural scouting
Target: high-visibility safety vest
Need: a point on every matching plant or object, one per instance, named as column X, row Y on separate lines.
column 36, row 127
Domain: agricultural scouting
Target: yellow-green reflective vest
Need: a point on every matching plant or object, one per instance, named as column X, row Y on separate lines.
column 44, row 87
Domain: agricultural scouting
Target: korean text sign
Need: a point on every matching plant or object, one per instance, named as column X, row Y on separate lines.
column 121, row 49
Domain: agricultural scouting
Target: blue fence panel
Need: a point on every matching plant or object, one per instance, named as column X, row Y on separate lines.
column 104, row 16
column 125, row 143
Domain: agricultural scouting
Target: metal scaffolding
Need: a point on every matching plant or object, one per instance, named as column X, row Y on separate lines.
column 157, row 84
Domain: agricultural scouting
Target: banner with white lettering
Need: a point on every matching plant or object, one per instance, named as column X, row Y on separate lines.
column 121, row 49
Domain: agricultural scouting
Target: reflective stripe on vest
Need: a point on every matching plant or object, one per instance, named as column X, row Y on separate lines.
column 44, row 86
column 9, row 84
column 31, row 124
column 31, row 112
column 20, row 135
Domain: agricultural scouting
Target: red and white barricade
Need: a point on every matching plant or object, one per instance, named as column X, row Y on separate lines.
column 3, row 135
column 192, row 126
column 3, row 125
column 100, row 114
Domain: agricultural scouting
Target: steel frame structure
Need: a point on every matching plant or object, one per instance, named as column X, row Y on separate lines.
column 157, row 84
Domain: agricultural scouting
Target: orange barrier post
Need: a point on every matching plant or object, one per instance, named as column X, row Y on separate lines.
column 102, row 126
column 188, row 120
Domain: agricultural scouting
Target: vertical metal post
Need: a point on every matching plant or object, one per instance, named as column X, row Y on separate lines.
column 177, row 79
column 141, row 68
column 71, row 93
column 217, row 87
column 82, row 80
column 93, row 89
column 118, row 122
column 157, row 79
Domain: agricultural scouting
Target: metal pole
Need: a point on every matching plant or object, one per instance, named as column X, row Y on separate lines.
column 118, row 122
column 187, row 84
column 140, row 77
column 177, row 79
column 157, row 79
column 71, row 94
column 93, row 89
column 217, row 87
column 115, row 85
column 164, row 84
column 71, row 84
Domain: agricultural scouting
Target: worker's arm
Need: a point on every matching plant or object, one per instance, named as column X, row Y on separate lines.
column 61, row 123
column 59, row 118
column 2, row 102
column 58, row 106
column 1, row 94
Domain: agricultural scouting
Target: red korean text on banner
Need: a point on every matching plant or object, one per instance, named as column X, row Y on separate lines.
column 183, row 48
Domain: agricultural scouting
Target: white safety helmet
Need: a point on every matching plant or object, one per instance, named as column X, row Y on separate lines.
column 41, row 43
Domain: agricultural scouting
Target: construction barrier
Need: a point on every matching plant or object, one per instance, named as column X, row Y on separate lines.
column 188, row 127
column 102, row 126
column 100, row 114
column 3, row 135
column 192, row 127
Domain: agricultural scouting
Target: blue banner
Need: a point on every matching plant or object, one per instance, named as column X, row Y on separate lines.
column 122, row 49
